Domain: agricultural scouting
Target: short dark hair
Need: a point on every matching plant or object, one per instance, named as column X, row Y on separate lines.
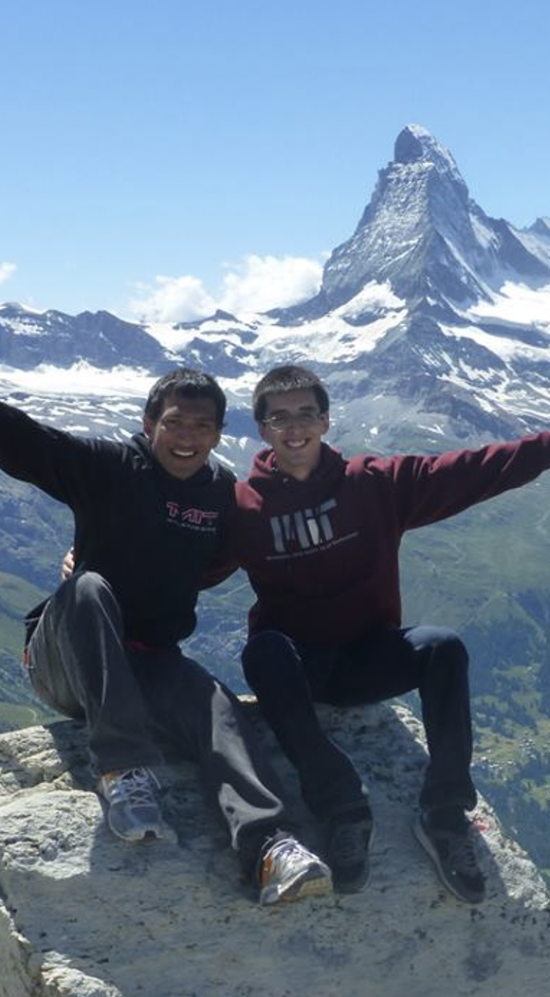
column 287, row 378
column 184, row 382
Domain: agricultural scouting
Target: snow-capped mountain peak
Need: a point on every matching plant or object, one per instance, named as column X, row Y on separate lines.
column 415, row 144
column 423, row 233
column 430, row 305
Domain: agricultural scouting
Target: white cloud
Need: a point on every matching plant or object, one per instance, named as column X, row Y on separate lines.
column 264, row 282
column 173, row 299
column 256, row 284
column 7, row 270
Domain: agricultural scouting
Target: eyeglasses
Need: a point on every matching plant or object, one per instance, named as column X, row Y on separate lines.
column 282, row 420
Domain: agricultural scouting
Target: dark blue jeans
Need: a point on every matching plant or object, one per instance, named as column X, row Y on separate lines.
column 289, row 678
column 138, row 705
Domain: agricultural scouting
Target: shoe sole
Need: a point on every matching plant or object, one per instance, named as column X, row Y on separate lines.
column 356, row 885
column 161, row 832
column 311, row 884
column 146, row 834
column 428, row 847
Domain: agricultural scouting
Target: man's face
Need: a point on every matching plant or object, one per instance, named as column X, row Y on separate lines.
column 293, row 426
column 183, row 435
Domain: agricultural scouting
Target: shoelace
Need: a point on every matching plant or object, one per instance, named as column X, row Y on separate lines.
column 350, row 840
column 462, row 855
column 287, row 848
column 136, row 786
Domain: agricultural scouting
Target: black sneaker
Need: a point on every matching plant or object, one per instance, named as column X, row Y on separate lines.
column 445, row 835
column 349, row 838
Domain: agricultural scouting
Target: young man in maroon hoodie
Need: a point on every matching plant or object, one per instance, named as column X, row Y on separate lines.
column 319, row 537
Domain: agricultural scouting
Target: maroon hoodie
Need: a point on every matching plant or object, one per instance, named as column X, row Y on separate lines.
column 322, row 554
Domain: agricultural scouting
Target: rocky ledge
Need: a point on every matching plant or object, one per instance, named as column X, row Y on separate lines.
column 85, row 915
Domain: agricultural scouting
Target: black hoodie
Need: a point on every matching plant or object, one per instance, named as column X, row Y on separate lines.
column 150, row 535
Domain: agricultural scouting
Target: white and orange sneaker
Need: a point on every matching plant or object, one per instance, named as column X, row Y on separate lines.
column 289, row 871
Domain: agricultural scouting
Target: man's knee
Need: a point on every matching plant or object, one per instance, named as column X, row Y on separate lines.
column 267, row 655
column 88, row 591
column 448, row 645
column 439, row 646
column 87, row 585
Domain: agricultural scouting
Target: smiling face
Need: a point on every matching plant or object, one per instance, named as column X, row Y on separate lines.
column 293, row 426
column 183, row 435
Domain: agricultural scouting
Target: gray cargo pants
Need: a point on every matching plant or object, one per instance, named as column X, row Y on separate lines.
column 137, row 704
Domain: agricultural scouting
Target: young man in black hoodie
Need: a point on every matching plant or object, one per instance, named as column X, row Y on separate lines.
column 319, row 536
column 149, row 518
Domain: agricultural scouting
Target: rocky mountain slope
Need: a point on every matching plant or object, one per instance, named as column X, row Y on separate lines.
column 85, row 915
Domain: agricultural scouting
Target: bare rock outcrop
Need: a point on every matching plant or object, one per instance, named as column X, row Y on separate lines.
column 85, row 915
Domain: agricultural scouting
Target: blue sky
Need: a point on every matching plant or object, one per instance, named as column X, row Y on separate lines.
column 164, row 157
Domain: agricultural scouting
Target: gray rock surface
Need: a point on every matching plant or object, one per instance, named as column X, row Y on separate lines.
column 85, row 915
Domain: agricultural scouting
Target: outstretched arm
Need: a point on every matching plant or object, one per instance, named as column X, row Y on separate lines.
column 436, row 487
column 61, row 464
column 36, row 453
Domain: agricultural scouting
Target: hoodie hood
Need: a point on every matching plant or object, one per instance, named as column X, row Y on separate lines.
column 140, row 447
column 266, row 478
